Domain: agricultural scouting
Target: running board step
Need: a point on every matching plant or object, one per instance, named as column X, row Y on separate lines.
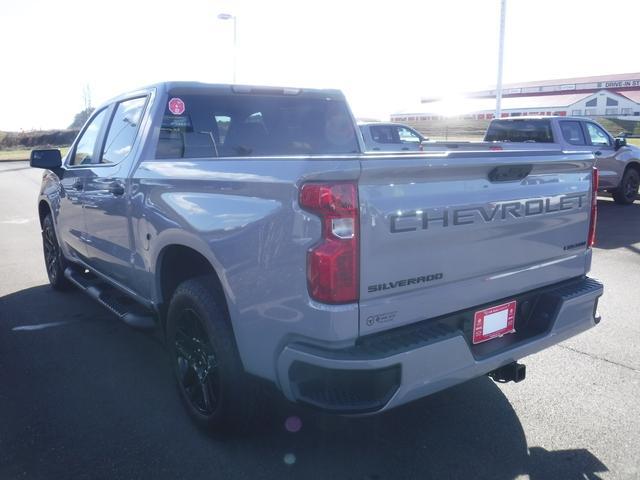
column 125, row 309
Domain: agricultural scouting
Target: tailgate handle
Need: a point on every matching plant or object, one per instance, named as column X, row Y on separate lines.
column 509, row 173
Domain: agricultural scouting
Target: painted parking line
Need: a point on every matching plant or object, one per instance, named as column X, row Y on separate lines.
column 39, row 326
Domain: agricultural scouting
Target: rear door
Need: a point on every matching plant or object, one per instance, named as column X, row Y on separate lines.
column 602, row 146
column 441, row 233
column 106, row 193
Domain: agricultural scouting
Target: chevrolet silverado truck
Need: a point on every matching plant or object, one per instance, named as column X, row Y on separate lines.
column 618, row 163
column 248, row 225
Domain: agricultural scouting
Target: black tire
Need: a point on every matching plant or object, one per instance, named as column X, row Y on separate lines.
column 216, row 391
column 54, row 260
column 627, row 192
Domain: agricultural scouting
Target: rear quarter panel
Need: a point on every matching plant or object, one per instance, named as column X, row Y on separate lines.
column 243, row 216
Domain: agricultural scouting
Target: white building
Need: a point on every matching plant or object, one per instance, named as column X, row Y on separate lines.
column 608, row 95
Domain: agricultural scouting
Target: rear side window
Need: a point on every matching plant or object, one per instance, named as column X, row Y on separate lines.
column 243, row 125
column 384, row 134
column 535, row 131
column 123, row 130
column 572, row 132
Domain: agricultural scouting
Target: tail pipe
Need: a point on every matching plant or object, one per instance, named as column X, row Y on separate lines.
column 512, row 372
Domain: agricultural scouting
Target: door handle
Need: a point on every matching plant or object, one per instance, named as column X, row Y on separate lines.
column 116, row 188
column 598, row 153
column 405, row 148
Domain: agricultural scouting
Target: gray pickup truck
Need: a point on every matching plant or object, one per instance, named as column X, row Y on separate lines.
column 247, row 225
column 618, row 163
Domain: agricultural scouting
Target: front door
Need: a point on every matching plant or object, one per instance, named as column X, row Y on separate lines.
column 107, row 196
column 610, row 169
column 70, row 222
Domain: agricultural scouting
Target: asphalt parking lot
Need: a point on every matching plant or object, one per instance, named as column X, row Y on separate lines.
column 84, row 396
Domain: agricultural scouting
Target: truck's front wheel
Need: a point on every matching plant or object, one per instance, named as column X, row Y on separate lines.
column 626, row 193
column 211, row 380
column 53, row 258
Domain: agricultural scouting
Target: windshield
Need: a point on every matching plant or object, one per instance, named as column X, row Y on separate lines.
column 538, row 131
column 243, row 125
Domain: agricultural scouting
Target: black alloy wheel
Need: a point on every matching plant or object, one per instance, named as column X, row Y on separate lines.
column 196, row 363
column 53, row 258
column 216, row 391
column 626, row 193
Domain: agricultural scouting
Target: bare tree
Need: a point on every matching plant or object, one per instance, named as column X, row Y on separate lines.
column 82, row 116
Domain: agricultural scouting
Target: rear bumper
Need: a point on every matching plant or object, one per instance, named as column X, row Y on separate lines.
column 385, row 370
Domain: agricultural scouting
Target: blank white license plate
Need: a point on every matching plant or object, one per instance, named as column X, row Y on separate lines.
column 494, row 322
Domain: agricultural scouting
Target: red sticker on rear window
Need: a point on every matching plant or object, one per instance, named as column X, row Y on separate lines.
column 176, row 106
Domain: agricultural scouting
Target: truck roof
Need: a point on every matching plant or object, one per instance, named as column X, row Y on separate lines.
column 221, row 88
column 544, row 117
column 360, row 123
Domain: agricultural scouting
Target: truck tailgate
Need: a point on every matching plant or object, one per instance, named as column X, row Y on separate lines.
column 441, row 233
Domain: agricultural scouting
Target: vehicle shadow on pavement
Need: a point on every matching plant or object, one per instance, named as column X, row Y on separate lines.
column 618, row 226
column 469, row 431
column 84, row 396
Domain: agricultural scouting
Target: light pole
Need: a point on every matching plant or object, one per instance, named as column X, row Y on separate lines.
column 503, row 11
column 228, row 16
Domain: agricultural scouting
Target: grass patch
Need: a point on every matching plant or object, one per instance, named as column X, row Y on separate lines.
column 22, row 154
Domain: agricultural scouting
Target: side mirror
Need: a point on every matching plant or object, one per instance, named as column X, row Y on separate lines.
column 620, row 142
column 49, row 159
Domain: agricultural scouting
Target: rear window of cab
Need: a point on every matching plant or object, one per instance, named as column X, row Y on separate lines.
column 248, row 125
column 534, row 131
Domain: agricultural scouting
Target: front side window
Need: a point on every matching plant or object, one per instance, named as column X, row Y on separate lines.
column 200, row 125
column 597, row 135
column 83, row 154
column 592, row 103
column 572, row 133
column 123, row 130
column 384, row 134
column 408, row 136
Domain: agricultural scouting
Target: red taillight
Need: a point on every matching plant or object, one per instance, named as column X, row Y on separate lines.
column 591, row 240
column 332, row 265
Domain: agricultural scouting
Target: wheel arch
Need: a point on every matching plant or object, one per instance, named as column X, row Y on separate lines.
column 179, row 261
column 43, row 209
column 635, row 164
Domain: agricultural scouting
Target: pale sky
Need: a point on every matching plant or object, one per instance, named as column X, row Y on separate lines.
column 383, row 55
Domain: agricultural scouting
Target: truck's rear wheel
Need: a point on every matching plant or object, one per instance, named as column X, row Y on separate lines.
column 53, row 258
column 626, row 193
column 211, row 380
